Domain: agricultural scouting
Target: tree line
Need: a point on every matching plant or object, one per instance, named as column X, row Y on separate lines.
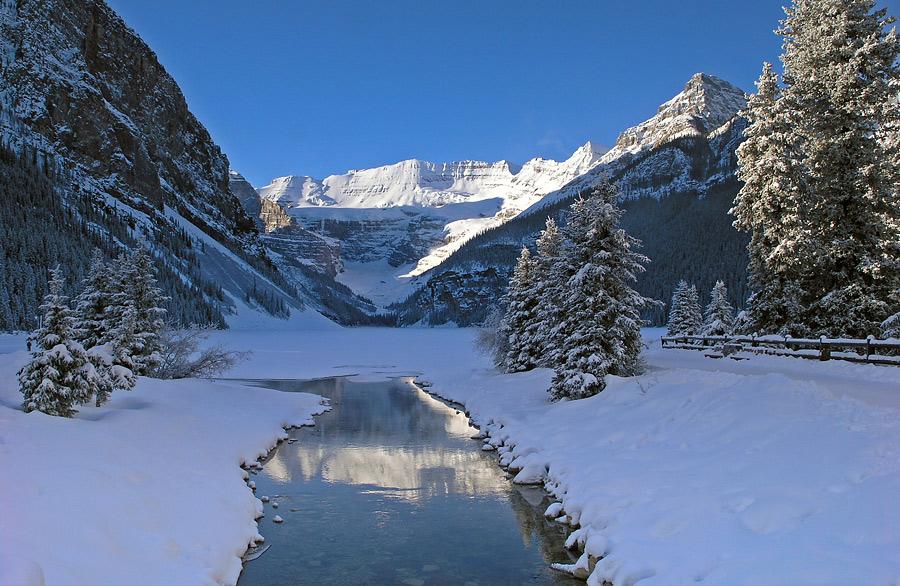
column 46, row 221
column 111, row 333
column 572, row 307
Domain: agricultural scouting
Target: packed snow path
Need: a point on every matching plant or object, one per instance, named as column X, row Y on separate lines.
column 770, row 470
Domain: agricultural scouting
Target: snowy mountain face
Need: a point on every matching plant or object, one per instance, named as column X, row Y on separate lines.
column 706, row 104
column 676, row 175
column 86, row 100
column 396, row 222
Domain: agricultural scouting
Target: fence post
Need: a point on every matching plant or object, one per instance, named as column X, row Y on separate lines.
column 869, row 339
column 825, row 353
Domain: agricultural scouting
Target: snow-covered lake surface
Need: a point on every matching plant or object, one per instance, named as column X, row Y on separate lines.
column 772, row 470
column 389, row 488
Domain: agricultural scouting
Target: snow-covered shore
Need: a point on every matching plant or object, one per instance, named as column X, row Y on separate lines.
column 144, row 490
column 772, row 470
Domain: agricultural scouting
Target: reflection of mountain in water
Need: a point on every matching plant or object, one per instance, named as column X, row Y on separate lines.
column 391, row 436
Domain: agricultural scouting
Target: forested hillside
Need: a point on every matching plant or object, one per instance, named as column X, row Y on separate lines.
column 38, row 231
column 687, row 235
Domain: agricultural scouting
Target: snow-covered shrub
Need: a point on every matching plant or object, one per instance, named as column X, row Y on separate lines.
column 181, row 357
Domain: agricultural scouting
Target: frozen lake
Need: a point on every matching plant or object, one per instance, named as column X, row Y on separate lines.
column 388, row 488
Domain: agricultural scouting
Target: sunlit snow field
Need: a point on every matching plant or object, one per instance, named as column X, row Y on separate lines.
column 772, row 470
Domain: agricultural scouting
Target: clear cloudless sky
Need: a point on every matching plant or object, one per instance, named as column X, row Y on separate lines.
column 318, row 87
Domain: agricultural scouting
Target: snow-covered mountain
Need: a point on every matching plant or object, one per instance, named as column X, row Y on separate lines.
column 676, row 174
column 418, row 183
column 397, row 221
column 706, row 104
column 85, row 102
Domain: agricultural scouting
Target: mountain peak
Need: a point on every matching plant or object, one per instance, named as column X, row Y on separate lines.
column 707, row 97
column 707, row 103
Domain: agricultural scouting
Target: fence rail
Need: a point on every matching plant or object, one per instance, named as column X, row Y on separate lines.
column 870, row 350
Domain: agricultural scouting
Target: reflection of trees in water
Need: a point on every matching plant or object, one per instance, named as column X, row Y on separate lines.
column 529, row 504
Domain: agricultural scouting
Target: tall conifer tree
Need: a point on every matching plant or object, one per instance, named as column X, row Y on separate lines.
column 520, row 321
column 833, row 265
column 599, row 327
column 548, row 288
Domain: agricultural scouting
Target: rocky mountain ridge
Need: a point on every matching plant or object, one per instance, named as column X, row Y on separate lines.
column 676, row 173
column 390, row 224
column 83, row 98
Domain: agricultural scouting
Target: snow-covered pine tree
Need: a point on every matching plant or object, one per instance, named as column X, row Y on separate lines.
column 836, row 261
column 523, row 350
column 685, row 318
column 135, row 317
column 90, row 314
column 547, row 288
column 719, row 316
column 92, row 303
column 768, row 207
column 59, row 375
column 599, row 328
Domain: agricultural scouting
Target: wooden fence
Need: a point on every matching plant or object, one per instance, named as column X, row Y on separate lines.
column 870, row 350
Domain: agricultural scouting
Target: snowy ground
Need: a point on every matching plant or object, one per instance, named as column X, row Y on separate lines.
column 767, row 471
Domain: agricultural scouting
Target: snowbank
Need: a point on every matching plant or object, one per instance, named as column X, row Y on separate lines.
column 145, row 490
column 771, row 470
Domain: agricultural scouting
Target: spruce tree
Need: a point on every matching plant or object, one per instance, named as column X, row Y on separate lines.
column 768, row 206
column 718, row 319
column 834, row 264
column 92, row 303
column 547, row 287
column 59, row 375
column 685, row 318
column 599, row 327
column 519, row 323
column 134, row 319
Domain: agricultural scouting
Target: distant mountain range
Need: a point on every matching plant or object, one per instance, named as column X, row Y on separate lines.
column 390, row 224
column 395, row 231
column 98, row 150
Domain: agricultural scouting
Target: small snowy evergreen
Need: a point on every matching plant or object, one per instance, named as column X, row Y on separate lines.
column 134, row 319
column 523, row 350
column 684, row 316
column 112, row 337
column 718, row 319
column 59, row 376
column 548, row 288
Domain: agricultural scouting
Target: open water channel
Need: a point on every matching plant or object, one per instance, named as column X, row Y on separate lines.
column 388, row 488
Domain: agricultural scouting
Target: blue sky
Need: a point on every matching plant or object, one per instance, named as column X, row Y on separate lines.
column 320, row 87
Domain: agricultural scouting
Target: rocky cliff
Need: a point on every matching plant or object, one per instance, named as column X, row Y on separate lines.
column 83, row 96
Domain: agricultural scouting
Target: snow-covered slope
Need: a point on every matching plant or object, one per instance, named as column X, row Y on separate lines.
column 686, row 149
column 436, row 207
column 85, row 99
column 423, row 184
